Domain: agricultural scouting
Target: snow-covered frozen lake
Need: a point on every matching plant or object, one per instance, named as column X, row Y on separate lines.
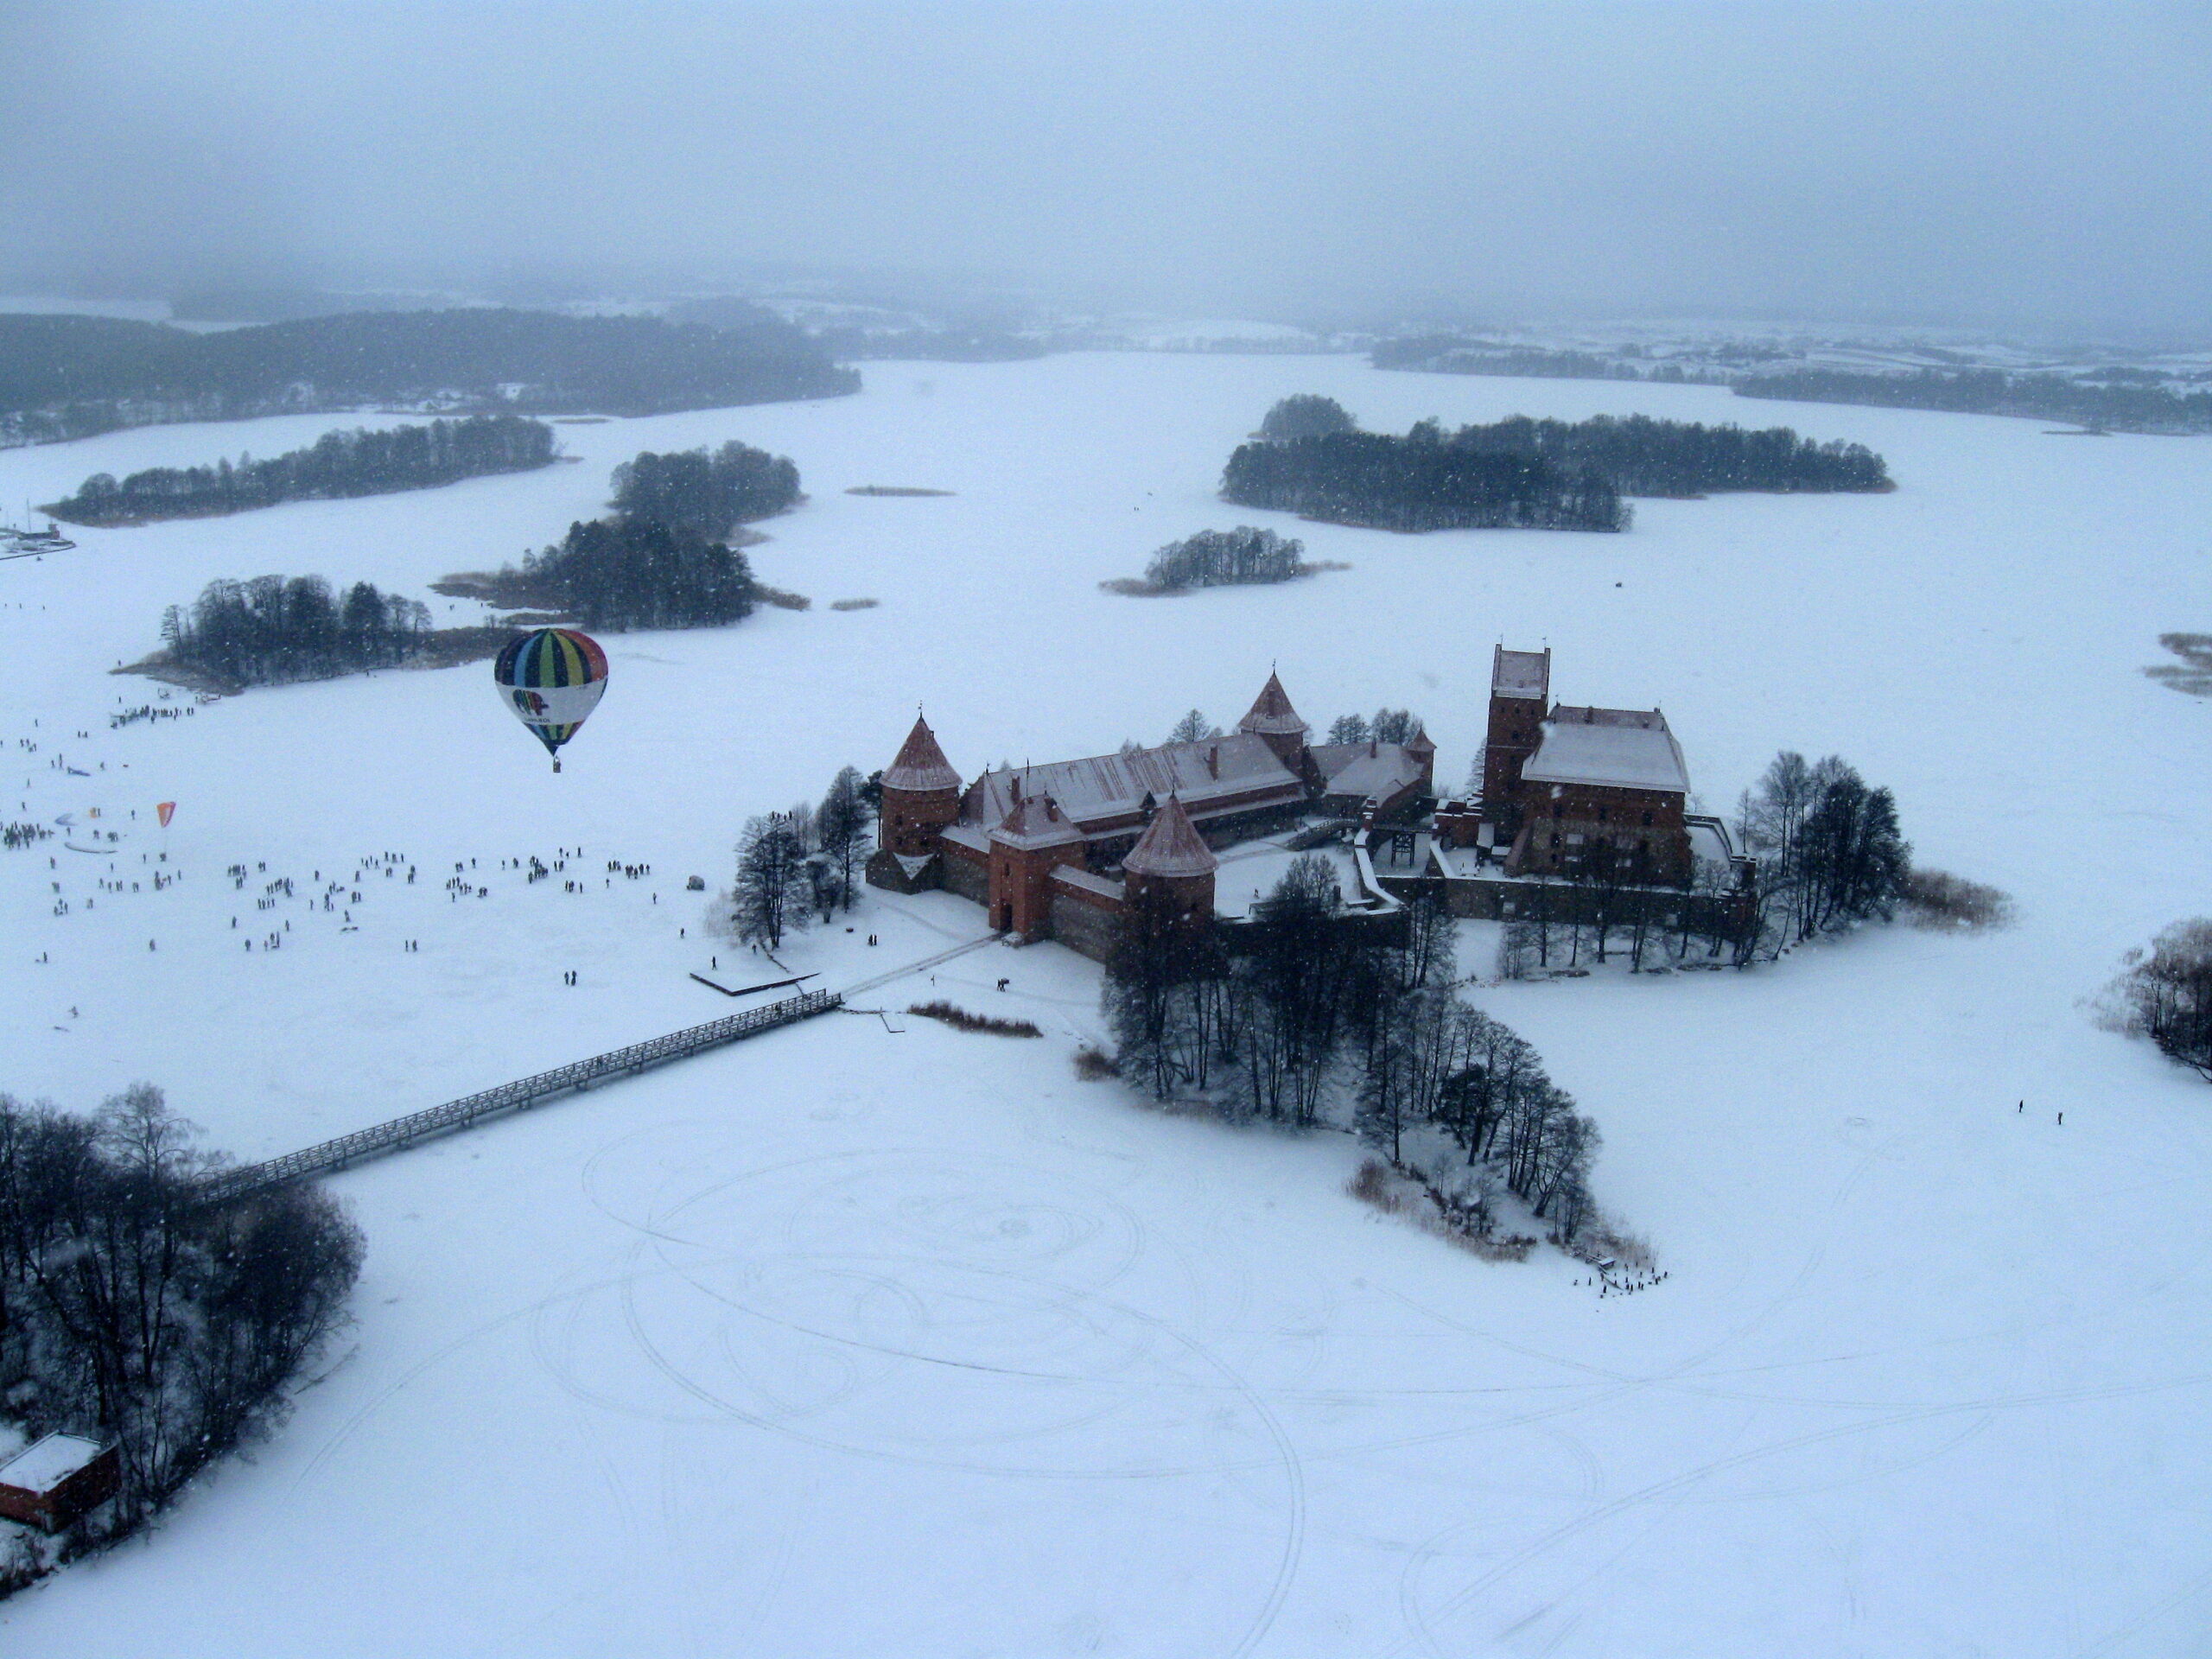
column 872, row 1338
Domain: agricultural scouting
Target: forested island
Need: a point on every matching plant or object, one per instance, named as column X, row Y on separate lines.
column 1220, row 558
column 339, row 464
column 708, row 495
column 1424, row 481
column 71, row 376
column 1520, row 472
column 1638, row 455
column 2100, row 406
column 274, row 630
column 664, row 558
column 623, row 574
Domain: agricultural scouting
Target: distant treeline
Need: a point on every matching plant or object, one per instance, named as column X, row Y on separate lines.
column 69, row 377
column 1447, row 354
column 338, row 464
column 2090, row 401
column 628, row 574
column 1639, row 456
column 1425, row 480
column 275, row 629
column 1993, row 391
column 706, row 494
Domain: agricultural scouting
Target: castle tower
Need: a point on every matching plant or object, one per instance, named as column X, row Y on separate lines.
column 921, row 794
column 1035, row 839
column 1275, row 722
column 1172, row 859
column 1424, row 752
column 1520, row 693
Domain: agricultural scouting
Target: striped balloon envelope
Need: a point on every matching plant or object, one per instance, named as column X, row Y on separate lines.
column 552, row 679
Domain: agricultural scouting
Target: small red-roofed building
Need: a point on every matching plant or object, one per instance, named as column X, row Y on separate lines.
column 51, row 1482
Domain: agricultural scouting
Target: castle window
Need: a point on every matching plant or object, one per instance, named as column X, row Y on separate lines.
column 1647, row 820
column 1554, row 839
column 1602, row 811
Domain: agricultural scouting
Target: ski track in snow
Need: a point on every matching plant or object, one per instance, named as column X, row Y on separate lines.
column 871, row 1336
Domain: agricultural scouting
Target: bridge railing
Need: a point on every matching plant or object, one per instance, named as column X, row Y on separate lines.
column 471, row 1110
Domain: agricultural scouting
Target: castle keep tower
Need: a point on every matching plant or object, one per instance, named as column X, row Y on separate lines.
column 1276, row 724
column 921, row 794
column 1520, row 693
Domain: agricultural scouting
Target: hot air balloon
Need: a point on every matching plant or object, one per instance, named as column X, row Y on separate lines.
column 552, row 679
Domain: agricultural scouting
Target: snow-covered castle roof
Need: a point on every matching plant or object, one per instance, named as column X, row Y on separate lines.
column 1271, row 712
column 1620, row 748
column 921, row 763
column 1170, row 846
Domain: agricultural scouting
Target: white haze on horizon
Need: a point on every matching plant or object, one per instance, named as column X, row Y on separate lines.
column 2037, row 164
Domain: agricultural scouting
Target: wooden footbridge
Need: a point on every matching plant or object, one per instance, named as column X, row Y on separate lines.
column 472, row 1110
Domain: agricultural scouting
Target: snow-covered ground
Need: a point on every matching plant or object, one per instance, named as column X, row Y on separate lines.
column 872, row 1338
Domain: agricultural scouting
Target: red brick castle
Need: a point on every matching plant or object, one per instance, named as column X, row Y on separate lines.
column 1059, row 850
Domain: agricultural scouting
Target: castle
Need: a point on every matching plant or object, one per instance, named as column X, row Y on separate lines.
column 1060, row 850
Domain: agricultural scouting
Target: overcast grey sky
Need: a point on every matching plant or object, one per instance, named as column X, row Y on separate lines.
column 2004, row 162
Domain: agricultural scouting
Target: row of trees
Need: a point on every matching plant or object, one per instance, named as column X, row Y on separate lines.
column 794, row 867
column 1217, row 558
column 1830, row 854
column 131, row 1308
column 359, row 462
column 1448, row 354
column 1604, row 906
column 2165, row 994
column 275, row 629
column 1993, row 391
column 705, row 493
column 1639, row 456
column 68, row 376
column 1389, row 726
column 1307, row 1016
column 1424, row 481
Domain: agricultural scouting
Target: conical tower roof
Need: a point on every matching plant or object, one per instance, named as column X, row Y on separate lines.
column 1170, row 846
column 1272, row 714
column 1037, row 821
column 1419, row 743
column 921, row 764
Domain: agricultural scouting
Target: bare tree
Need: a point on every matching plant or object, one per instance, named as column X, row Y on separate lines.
column 841, row 823
column 774, row 889
column 2165, row 994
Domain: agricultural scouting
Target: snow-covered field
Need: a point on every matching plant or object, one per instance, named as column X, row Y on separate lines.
column 871, row 1338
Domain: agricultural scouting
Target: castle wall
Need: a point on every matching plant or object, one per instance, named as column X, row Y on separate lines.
column 1502, row 898
column 1087, row 925
column 1562, row 821
column 963, row 872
